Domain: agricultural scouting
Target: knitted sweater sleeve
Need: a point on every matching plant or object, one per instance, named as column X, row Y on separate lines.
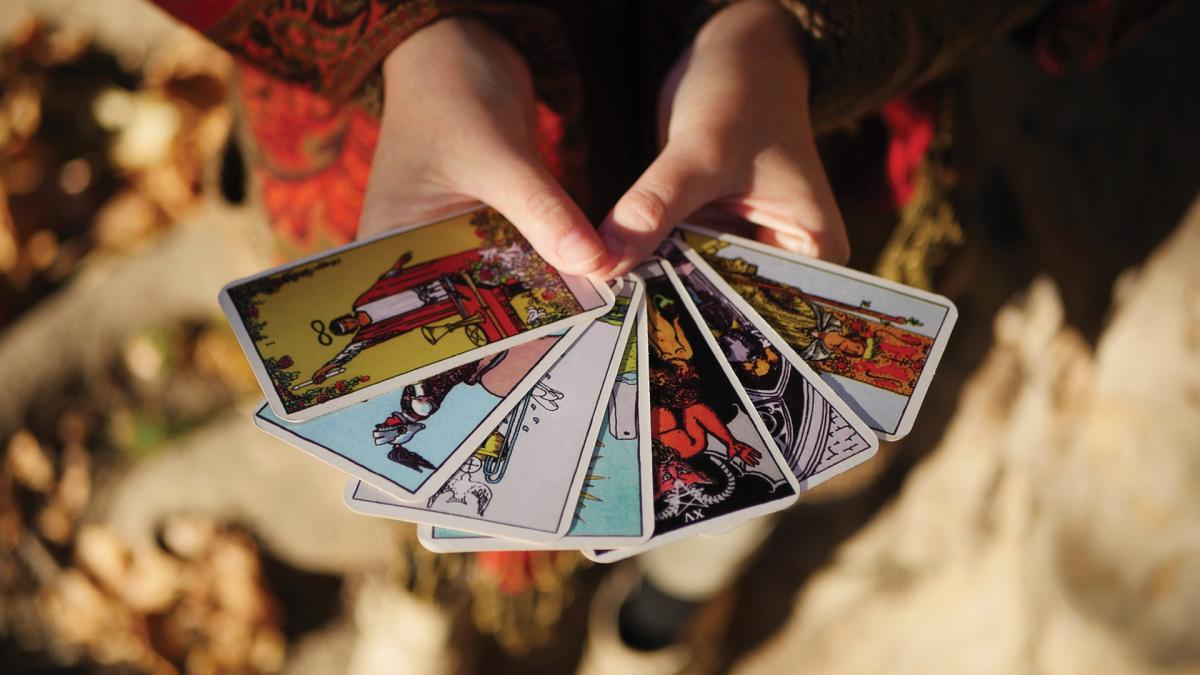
column 862, row 53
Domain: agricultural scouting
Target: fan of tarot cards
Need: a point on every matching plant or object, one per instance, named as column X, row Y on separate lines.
column 467, row 386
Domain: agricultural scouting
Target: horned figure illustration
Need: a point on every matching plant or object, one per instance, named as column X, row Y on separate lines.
column 680, row 486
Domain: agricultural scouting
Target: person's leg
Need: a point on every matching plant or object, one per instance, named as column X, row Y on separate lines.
column 639, row 615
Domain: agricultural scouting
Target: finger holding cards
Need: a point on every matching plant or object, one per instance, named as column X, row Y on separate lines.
column 344, row 326
column 715, row 464
column 876, row 343
column 524, row 479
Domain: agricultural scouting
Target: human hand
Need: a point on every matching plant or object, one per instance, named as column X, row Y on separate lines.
column 738, row 146
column 457, row 129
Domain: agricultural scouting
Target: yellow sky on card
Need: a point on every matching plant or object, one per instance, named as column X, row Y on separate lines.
column 290, row 312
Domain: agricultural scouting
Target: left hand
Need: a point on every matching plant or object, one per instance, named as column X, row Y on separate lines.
column 738, row 146
column 459, row 128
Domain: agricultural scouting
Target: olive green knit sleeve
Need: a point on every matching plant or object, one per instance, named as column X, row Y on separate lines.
column 862, row 53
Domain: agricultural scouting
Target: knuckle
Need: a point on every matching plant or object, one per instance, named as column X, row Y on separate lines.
column 832, row 245
column 706, row 154
column 819, row 232
column 642, row 209
column 545, row 210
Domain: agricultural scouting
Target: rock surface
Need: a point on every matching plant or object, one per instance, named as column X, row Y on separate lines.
column 1057, row 526
column 232, row 472
column 189, row 266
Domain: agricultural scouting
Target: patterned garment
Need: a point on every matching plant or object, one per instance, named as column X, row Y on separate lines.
column 311, row 91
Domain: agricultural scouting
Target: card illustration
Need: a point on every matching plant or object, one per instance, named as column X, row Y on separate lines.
column 408, row 443
column 714, row 463
column 335, row 329
column 525, row 476
column 817, row 433
column 874, row 342
column 615, row 504
column 463, row 484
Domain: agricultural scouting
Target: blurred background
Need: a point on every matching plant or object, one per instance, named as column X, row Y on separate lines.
column 1044, row 515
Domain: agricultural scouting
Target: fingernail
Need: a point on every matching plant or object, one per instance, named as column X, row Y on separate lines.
column 802, row 245
column 581, row 251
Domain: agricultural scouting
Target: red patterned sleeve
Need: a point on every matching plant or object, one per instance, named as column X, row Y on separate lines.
column 332, row 47
column 310, row 91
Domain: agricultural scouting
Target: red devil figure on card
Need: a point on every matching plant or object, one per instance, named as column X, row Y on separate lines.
column 680, row 420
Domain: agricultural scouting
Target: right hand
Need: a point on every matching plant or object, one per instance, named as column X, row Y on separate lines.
column 738, row 146
column 458, row 128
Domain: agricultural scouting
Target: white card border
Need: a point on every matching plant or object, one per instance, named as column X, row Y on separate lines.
column 797, row 362
column 478, row 526
column 729, row 520
column 454, row 460
column 480, row 543
column 941, row 338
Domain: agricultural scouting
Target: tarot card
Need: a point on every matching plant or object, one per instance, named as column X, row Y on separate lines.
column 715, row 463
column 524, row 479
column 818, row 434
column 408, row 443
column 876, row 343
column 615, row 507
column 343, row 326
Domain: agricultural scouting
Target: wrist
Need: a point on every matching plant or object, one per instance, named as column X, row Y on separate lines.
column 756, row 27
column 455, row 40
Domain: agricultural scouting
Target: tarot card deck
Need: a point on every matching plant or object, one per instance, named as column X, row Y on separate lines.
column 464, row 384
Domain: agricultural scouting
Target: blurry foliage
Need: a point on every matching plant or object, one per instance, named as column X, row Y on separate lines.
column 170, row 380
column 74, row 592
column 197, row 602
column 94, row 156
column 98, row 159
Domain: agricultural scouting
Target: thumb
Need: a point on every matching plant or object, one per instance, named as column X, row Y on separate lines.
column 527, row 195
column 671, row 189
